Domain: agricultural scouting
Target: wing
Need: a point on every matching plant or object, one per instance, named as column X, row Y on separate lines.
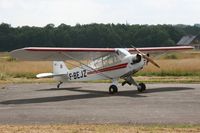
column 61, row 54
column 161, row 49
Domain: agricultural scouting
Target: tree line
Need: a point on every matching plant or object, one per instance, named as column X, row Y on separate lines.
column 93, row 35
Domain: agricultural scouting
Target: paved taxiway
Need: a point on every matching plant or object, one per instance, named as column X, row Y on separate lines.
column 91, row 103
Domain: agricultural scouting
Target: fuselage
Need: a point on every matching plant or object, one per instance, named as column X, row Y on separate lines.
column 106, row 67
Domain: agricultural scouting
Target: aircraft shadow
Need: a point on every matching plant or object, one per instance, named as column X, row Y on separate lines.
column 87, row 94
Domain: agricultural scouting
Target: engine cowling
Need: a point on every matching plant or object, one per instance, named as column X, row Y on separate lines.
column 136, row 59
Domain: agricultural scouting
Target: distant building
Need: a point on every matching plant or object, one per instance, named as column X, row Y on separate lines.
column 193, row 40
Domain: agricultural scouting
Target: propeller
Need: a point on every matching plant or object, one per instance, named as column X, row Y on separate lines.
column 146, row 57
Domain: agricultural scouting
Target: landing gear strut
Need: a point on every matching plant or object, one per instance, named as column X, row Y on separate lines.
column 58, row 86
column 129, row 80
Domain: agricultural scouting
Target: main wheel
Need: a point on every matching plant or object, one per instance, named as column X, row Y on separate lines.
column 113, row 89
column 141, row 87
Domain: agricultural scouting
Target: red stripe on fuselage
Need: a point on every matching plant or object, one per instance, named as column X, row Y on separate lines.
column 109, row 68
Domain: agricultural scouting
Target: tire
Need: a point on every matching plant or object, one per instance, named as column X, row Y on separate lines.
column 141, row 87
column 113, row 89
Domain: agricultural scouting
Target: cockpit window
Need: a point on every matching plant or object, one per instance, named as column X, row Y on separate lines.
column 106, row 60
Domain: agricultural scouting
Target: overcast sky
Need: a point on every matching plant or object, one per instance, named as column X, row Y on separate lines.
column 71, row 12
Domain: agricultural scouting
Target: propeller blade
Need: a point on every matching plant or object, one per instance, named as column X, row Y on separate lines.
column 136, row 49
column 152, row 61
column 146, row 57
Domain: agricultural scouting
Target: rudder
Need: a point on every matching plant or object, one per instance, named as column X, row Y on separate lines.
column 59, row 67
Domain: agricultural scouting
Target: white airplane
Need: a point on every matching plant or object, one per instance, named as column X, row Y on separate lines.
column 104, row 63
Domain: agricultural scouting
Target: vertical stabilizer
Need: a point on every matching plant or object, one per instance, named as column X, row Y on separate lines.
column 59, row 67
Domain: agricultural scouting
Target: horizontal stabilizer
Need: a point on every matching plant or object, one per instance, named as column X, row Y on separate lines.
column 48, row 75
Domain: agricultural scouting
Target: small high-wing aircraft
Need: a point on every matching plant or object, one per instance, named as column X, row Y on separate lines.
column 103, row 63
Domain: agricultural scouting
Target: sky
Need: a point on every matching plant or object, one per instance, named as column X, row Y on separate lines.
column 71, row 12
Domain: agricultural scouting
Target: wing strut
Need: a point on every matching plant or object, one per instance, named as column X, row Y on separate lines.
column 98, row 72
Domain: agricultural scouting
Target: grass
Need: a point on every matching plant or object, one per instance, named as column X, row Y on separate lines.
column 177, row 65
column 173, row 67
column 108, row 128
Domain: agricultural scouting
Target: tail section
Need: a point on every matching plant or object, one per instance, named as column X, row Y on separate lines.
column 59, row 71
column 59, row 67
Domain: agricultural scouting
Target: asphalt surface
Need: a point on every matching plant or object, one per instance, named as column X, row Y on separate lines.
column 86, row 103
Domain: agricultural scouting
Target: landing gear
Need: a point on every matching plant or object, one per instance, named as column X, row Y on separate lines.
column 58, row 86
column 141, row 87
column 129, row 80
column 113, row 89
column 126, row 82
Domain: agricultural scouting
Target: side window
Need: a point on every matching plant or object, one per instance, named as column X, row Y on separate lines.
column 108, row 60
column 115, row 58
column 105, row 60
column 98, row 63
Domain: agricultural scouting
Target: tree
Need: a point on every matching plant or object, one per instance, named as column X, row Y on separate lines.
column 93, row 35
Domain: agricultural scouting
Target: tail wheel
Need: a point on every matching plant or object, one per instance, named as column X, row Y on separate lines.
column 113, row 89
column 141, row 87
column 58, row 86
